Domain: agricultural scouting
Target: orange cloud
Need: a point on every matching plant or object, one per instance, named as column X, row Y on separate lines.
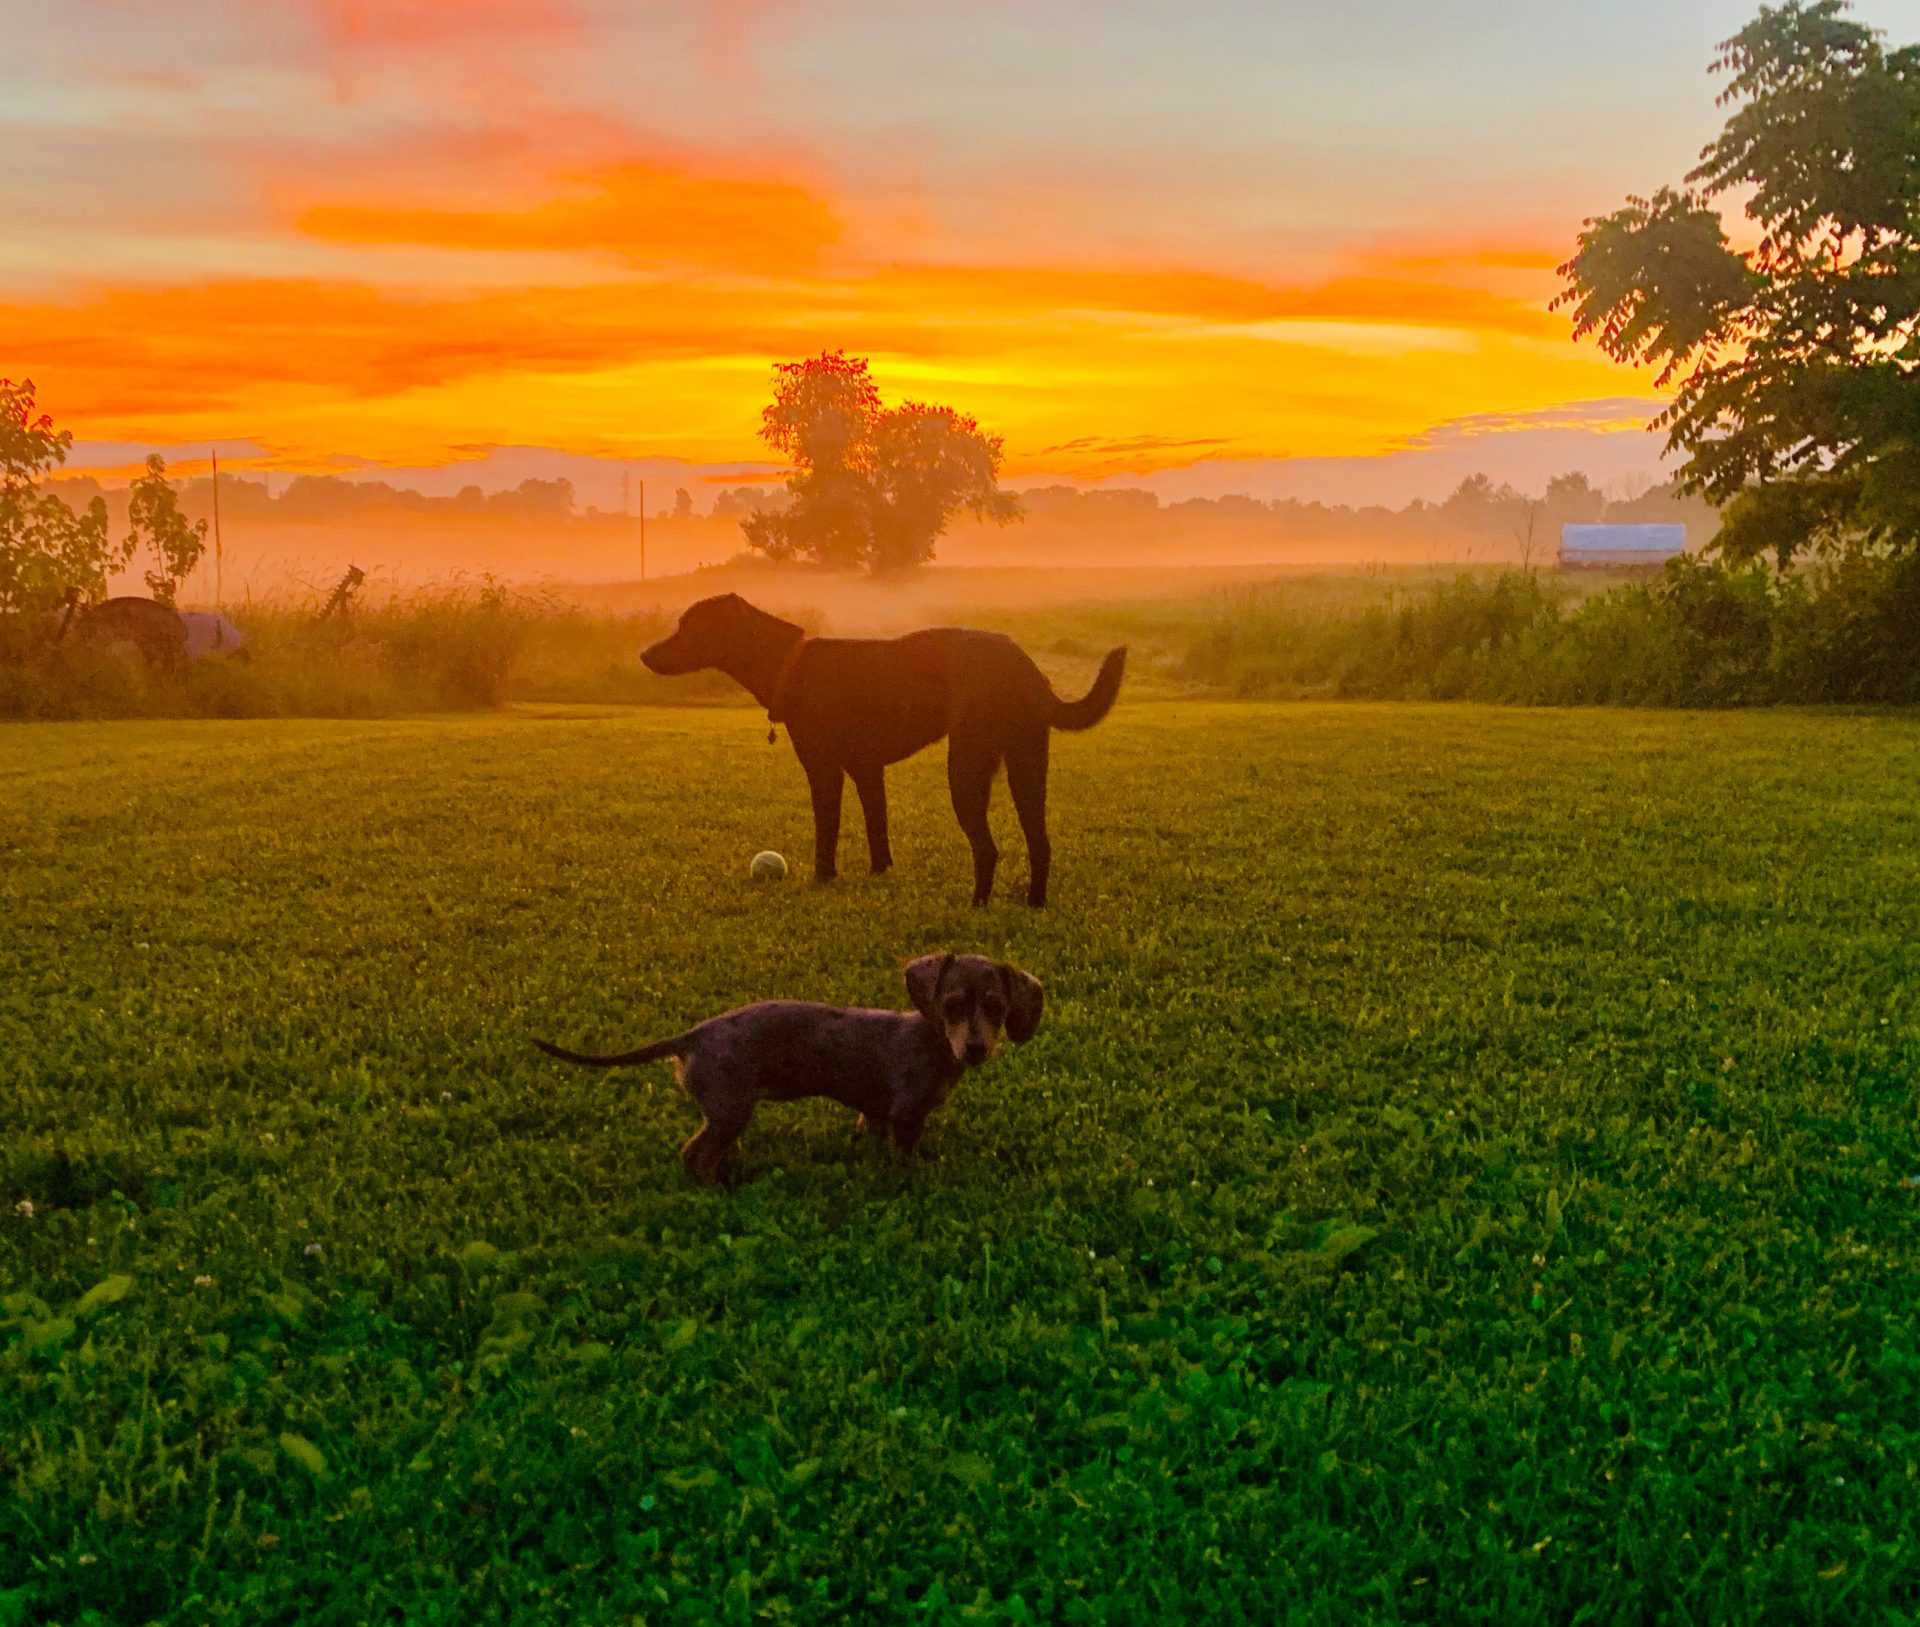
column 587, row 184
column 1197, row 296
column 1189, row 363
column 1468, row 255
column 178, row 348
column 650, row 213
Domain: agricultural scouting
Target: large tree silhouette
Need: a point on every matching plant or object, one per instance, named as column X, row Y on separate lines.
column 1798, row 405
column 871, row 486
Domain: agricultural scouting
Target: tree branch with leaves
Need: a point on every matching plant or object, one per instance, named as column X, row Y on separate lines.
column 46, row 549
column 1797, row 404
column 156, row 523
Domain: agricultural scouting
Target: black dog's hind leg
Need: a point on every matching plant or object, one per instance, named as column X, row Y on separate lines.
column 871, row 783
column 970, row 783
column 1027, row 781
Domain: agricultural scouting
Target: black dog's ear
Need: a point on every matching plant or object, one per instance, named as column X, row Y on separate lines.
column 924, row 977
column 1025, row 998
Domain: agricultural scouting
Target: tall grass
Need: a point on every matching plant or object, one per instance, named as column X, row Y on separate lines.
column 1441, row 644
column 1697, row 635
column 457, row 647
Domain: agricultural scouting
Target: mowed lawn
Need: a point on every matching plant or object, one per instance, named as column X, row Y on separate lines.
column 1466, row 1173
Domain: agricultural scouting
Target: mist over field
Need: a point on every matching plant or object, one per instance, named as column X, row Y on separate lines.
column 1070, row 545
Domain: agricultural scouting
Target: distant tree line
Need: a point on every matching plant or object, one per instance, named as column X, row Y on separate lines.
column 331, row 499
column 1479, row 508
column 1476, row 508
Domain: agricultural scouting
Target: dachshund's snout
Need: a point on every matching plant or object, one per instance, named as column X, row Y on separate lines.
column 977, row 1051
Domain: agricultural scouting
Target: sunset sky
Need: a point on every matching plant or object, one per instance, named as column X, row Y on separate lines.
column 1281, row 248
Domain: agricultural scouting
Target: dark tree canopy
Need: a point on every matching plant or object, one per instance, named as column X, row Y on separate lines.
column 871, row 485
column 1798, row 405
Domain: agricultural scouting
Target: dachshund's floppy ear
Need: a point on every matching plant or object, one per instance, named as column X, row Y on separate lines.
column 1025, row 998
column 924, row 977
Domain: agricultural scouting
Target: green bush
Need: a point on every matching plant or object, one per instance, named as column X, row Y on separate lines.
column 1856, row 634
column 1700, row 634
column 459, row 649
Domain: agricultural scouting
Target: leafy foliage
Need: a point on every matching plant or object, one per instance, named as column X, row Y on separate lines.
column 1797, row 397
column 930, row 462
column 871, row 486
column 156, row 523
column 45, row 548
column 1700, row 634
column 1464, row 1176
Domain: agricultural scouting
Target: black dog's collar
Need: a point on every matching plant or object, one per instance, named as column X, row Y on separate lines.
column 777, row 700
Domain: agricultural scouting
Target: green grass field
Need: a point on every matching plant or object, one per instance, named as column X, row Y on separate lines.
column 1466, row 1173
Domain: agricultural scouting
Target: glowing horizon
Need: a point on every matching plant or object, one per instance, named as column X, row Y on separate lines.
column 354, row 237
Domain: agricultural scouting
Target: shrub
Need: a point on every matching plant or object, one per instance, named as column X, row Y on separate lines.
column 1700, row 634
column 458, row 649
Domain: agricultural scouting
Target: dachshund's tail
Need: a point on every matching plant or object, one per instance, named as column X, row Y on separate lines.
column 625, row 1059
column 1098, row 701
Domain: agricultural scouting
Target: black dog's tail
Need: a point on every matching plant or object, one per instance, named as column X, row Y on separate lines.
column 1098, row 701
column 625, row 1059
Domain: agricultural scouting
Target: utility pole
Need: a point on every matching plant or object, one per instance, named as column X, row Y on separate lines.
column 219, row 552
column 643, row 529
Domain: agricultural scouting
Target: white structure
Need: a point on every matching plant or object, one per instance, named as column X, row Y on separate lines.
column 1617, row 546
column 211, row 634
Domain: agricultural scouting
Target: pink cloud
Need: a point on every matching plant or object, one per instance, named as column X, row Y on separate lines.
column 388, row 23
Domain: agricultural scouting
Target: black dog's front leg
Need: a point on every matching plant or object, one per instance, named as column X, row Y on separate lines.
column 825, row 781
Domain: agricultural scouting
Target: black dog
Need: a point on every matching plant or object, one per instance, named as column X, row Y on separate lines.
column 854, row 705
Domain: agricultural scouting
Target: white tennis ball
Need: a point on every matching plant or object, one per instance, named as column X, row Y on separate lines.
column 768, row 867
